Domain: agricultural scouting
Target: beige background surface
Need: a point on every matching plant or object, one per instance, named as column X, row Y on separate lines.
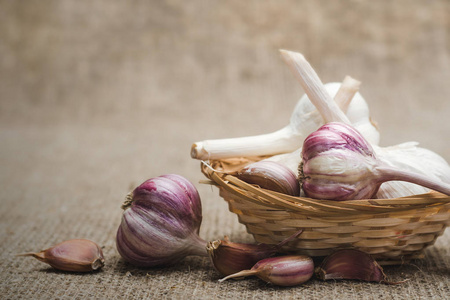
column 98, row 96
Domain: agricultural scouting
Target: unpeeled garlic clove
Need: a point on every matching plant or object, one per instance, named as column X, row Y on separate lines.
column 228, row 257
column 351, row 264
column 77, row 255
column 272, row 176
column 287, row 270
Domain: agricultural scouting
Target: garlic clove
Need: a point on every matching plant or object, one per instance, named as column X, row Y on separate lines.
column 77, row 255
column 287, row 270
column 271, row 176
column 350, row 264
column 229, row 258
column 290, row 160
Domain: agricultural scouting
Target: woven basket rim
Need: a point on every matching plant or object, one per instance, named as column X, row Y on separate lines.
column 220, row 172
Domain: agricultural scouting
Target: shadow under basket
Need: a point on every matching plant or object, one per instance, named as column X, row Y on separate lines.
column 393, row 231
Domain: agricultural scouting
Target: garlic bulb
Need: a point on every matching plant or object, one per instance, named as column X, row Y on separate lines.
column 406, row 155
column 339, row 164
column 77, row 255
column 413, row 158
column 304, row 120
column 271, row 176
column 161, row 222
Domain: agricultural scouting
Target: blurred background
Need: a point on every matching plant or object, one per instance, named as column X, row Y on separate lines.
column 97, row 96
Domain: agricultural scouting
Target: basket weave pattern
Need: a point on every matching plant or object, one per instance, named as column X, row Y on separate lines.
column 393, row 231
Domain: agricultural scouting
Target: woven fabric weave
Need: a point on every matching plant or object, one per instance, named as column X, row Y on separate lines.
column 96, row 97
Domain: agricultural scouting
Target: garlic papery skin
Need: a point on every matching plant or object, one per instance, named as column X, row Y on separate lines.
column 350, row 264
column 228, row 257
column 161, row 222
column 304, row 120
column 79, row 255
column 287, row 270
column 271, row 176
column 397, row 189
column 339, row 164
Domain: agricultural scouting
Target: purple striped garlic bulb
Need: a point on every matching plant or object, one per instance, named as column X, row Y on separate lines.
column 339, row 164
column 161, row 222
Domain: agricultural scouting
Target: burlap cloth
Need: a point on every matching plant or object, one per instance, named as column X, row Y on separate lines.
column 98, row 96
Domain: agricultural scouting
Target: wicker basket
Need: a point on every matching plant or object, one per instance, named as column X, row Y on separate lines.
column 393, row 231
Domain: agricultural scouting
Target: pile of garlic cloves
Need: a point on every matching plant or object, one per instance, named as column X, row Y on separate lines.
column 324, row 104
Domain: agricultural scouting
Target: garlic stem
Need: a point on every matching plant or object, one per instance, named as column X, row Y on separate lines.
column 313, row 87
column 346, row 92
column 304, row 119
column 270, row 143
column 393, row 173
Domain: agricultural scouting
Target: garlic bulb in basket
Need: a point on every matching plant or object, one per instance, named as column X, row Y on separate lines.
column 416, row 159
column 339, row 164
